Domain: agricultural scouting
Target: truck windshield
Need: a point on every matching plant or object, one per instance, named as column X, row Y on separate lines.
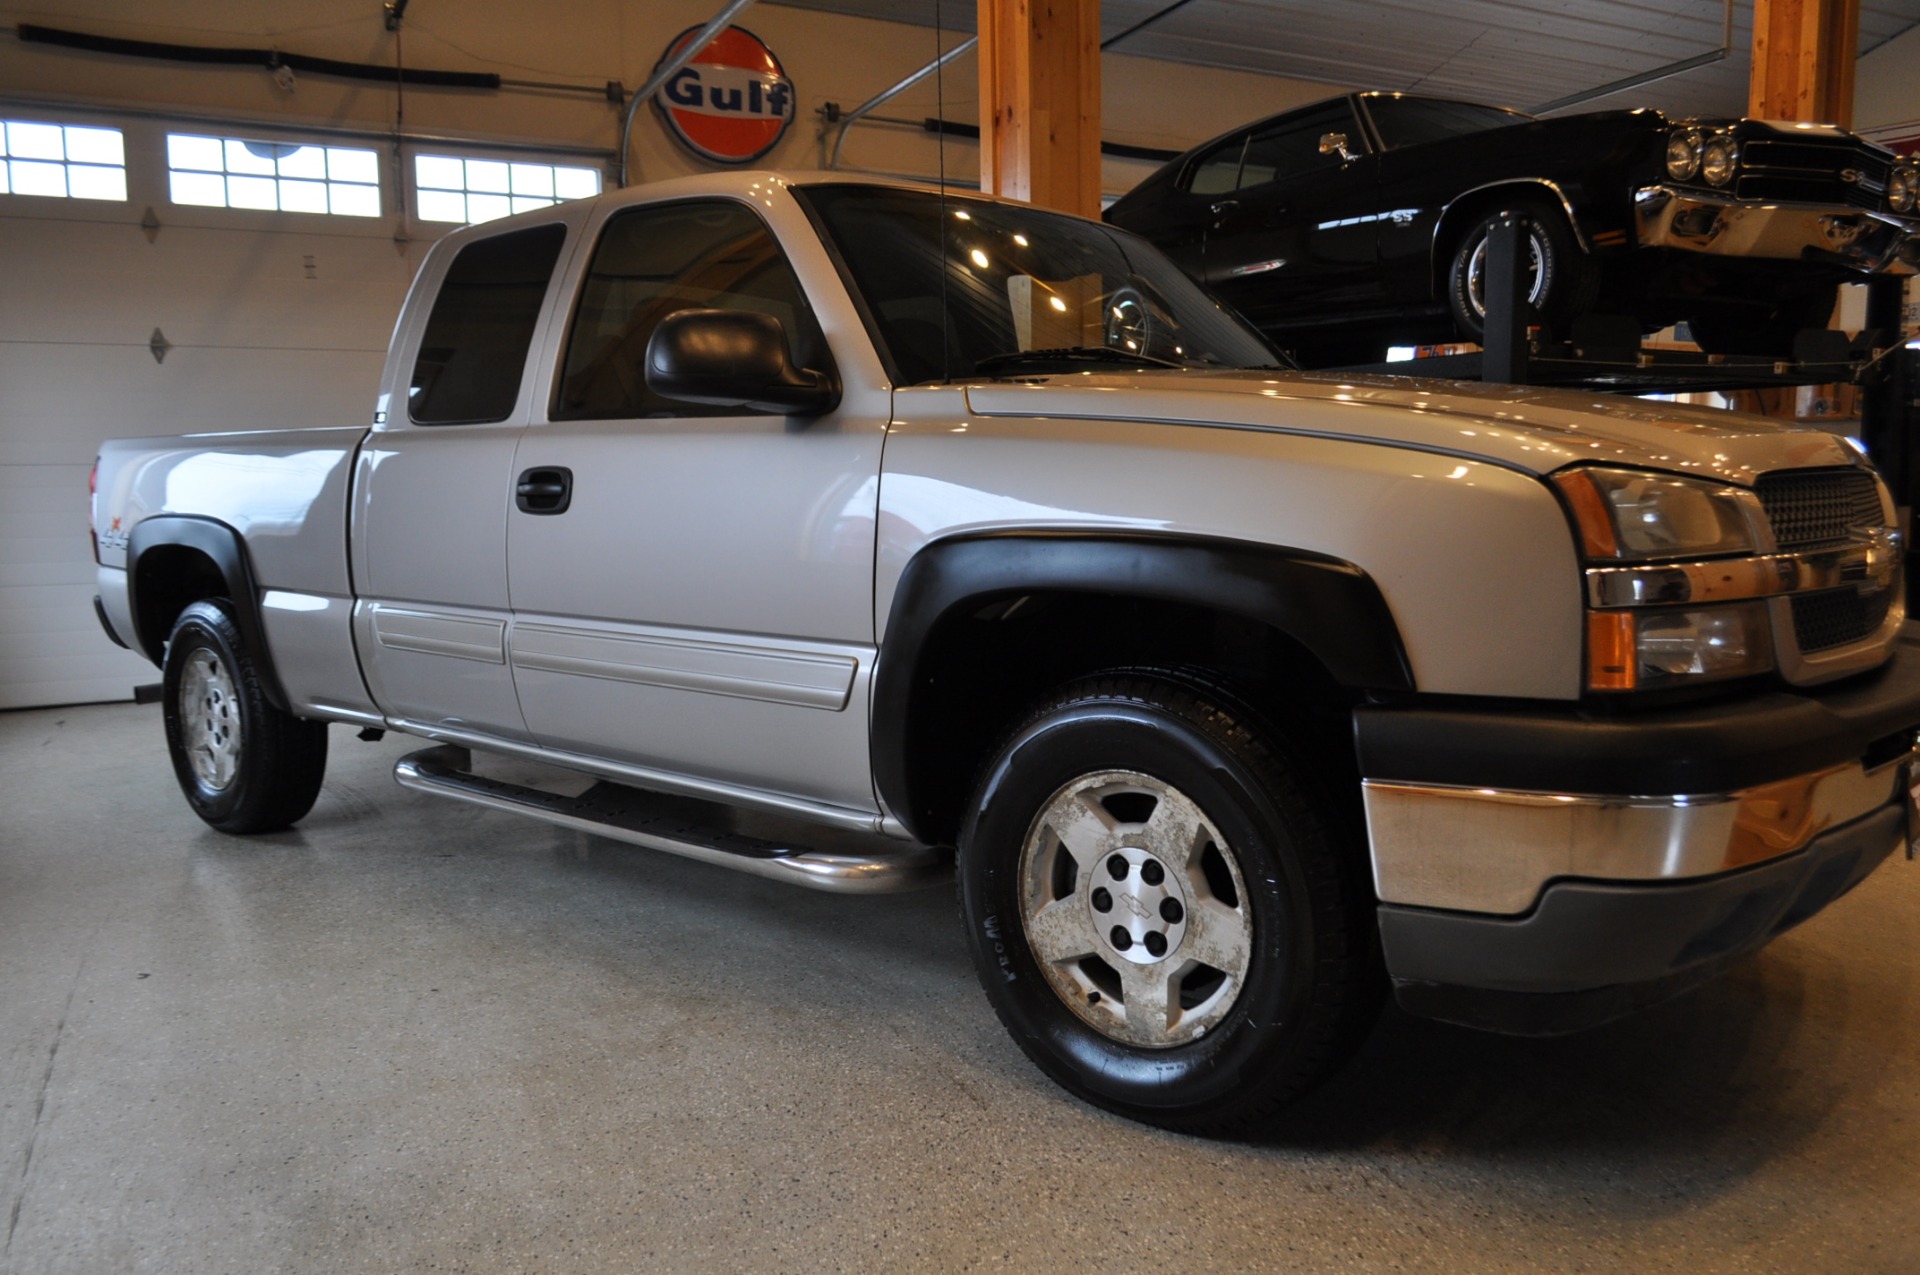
column 960, row 286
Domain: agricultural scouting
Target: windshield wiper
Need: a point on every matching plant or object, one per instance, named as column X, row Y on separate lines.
column 1070, row 354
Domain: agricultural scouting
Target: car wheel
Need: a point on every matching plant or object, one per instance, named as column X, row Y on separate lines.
column 244, row 765
column 1561, row 280
column 1762, row 329
column 1160, row 909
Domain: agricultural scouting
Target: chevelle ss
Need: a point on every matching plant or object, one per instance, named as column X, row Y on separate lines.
column 1340, row 227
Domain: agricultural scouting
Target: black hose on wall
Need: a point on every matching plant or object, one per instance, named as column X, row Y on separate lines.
column 271, row 59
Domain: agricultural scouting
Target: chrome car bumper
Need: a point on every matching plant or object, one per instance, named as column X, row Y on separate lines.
column 1720, row 225
column 1491, row 851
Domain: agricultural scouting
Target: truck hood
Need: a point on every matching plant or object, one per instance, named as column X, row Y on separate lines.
column 1521, row 427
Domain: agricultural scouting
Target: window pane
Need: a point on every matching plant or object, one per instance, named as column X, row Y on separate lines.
column 533, row 179
column 440, row 172
column 440, row 205
column 527, row 203
column 298, row 196
column 85, row 181
column 308, row 162
column 575, row 183
column 33, row 178
column 241, row 157
column 486, row 207
column 208, row 190
column 6, row 180
column 345, row 165
column 475, row 346
column 252, row 192
column 356, row 201
column 96, row 146
column 201, row 153
column 488, row 175
column 35, row 141
column 655, row 262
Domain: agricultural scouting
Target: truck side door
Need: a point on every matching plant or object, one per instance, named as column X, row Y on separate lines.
column 432, row 492
column 700, row 604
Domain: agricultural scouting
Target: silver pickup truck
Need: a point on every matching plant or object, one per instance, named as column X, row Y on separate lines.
column 957, row 529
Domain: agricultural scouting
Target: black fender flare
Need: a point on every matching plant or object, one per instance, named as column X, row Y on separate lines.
column 1329, row 606
column 227, row 550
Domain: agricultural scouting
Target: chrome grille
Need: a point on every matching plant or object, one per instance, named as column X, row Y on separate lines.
column 1810, row 507
column 1822, row 621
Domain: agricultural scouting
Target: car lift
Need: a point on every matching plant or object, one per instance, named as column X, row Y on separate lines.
column 1603, row 352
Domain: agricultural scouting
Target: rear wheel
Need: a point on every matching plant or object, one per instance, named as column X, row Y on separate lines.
column 1160, row 909
column 244, row 765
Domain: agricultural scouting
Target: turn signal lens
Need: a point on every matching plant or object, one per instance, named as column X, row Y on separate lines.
column 1718, row 160
column 1683, row 154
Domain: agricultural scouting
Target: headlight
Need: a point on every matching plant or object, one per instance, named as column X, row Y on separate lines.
column 1718, row 159
column 1630, row 515
column 1683, row 154
column 1624, row 513
column 1902, row 185
column 1644, row 650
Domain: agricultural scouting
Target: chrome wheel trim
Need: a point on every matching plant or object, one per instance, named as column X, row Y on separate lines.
column 1142, row 860
column 210, row 720
column 1477, row 274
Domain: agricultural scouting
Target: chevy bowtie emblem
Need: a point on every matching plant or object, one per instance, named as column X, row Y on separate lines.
column 1879, row 560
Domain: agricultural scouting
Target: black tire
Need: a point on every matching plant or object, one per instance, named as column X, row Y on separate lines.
column 244, row 765
column 1564, row 279
column 1268, row 961
column 1763, row 328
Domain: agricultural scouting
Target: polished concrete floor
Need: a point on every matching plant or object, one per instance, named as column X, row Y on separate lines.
column 413, row 1036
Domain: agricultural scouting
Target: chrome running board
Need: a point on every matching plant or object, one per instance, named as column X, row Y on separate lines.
column 648, row 819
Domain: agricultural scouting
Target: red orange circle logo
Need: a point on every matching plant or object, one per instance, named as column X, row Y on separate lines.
column 732, row 102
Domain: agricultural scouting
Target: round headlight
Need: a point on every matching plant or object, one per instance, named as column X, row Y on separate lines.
column 1718, row 159
column 1902, row 186
column 1683, row 154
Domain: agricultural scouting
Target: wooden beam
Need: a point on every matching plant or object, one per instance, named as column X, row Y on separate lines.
column 1803, row 57
column 1040, row 102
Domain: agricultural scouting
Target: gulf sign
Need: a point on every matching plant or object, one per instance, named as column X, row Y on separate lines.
column 732, row 102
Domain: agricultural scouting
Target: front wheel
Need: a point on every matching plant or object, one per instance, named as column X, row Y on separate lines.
column 1560, row 280
column 244, row 765
column 1161, row 911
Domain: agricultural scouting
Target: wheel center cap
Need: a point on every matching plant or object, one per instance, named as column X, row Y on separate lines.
column 1137, row 906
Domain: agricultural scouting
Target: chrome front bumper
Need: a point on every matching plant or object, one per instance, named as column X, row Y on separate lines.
column 1494, row 851
column 1720, row 225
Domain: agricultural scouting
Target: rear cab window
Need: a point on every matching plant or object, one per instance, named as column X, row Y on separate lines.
column 474, row 351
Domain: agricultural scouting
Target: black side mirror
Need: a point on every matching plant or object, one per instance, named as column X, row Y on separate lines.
column 734, row 358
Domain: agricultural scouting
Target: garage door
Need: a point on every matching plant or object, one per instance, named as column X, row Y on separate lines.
column 204, row 318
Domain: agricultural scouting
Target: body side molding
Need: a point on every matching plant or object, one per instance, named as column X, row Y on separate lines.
column 1329, row 606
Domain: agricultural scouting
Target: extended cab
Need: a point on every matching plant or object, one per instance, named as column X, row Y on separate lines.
column 933, row 521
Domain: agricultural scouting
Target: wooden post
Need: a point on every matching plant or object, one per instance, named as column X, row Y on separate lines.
column 1040, row 102
column 1803, row 56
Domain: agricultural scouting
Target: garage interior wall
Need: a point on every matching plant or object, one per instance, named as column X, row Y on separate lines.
column 280, row 320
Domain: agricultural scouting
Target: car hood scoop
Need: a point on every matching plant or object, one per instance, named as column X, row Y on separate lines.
column 1521, row 427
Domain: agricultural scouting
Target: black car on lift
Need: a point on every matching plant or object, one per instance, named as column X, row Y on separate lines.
column 1358, row 222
